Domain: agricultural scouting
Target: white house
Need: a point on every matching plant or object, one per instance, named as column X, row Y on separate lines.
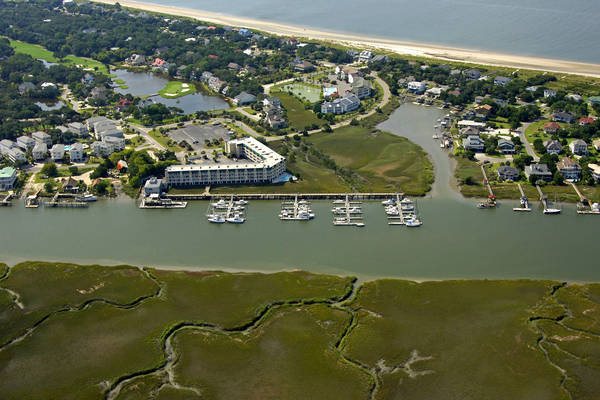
column 101, row 149
column 579, row 147
column 341, row 106
column 76, row 152
column 569, row 169
column 25, row 143
column 42, row 137
column 8, row 176
column 116, row 143
column 57, row 152
column 365, row 56
column 78, row 129
column 417, row 87
column 40, row 151
column 16, row 155
column 595, row 170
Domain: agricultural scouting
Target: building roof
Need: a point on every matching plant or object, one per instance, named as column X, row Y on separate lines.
column 553, row 144
column 507, row 171
column 538, row 169
column 567, row 163
column 551, row 126
column 7, row 172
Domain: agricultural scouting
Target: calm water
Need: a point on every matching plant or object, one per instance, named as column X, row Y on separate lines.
column 456, row 241
column 146, row 84
column 549, row 28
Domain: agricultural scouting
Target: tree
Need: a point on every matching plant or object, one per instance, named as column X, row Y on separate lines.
column 74, row 170
column 48, row 188
column 539, row 147
column 558, row 178
column 533, row 179
column 50, row 170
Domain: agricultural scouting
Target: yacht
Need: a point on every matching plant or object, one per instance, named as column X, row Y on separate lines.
column 551, row 210
column 86, row 197
column 221, row 204
column 236, row 219
column 389, row 202
column 241, row 202
column 413, row 223
column 216, row 219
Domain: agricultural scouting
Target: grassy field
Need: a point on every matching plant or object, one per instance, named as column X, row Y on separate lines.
column 164, row 141
column 175, row 89
column 40, row 52
column 282, row 335
column 298, row 117
column 303, row 91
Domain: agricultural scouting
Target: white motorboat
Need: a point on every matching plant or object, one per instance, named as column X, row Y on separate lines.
column 389, row 202
column 241, row 202
column 86, row 197
column 221, row 204
column 236, row 219
column 413, row 223
column 216, row 219
column 552, row 210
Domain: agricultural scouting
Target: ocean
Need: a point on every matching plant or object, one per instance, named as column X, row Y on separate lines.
column 556, row 29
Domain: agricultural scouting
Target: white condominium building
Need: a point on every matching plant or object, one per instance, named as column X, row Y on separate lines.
column 264, row 166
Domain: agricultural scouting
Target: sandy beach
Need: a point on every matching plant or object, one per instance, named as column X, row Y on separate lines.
column 400, row 47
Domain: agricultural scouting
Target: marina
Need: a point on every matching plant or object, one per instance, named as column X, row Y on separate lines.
column 154, row 201
column 298, row 210
column 347, row 212
column 402, row 211
column 231, row 211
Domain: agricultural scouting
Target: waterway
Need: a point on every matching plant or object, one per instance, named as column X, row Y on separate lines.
column 549, row 28
column 457, row 240
column 147, row 84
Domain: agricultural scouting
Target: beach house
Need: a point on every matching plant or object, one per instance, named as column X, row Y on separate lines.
column 361, row 88
column 341, row 106
column 8, row 176
column 541, row 171
column 25, row 142
column 501, row 80
column 57, row 152
column 78, row 129
column 569, row 169
column 553, row 147
column 563, row 117
column 473, row 143
column 506, row 173
column 595, row 171
column 506, row 146
column 40, row 151
column 42, row 137
column 76, row 152
column 579, row 147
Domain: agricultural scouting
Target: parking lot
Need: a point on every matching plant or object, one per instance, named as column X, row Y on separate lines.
column 196, row 135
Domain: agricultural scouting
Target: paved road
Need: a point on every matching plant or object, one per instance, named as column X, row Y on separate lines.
column 526, row 143
column 255, row 117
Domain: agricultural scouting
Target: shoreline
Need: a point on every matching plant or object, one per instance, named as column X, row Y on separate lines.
column 436, row 52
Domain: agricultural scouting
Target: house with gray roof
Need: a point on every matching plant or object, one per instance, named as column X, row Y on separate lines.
column 153, row 186
column 341, row 106
column 541, row 171
column 579, row 147
column 40, row 151
column 25, row 143
column 76, row 153
column 57, row 152
column 553, row 147
column 501, row 80
column 506, row 146
column 473, row 143
column 42, row 137
column 506, row 173
column 244, row 99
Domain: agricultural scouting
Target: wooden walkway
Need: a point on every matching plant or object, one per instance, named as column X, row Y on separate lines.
column 582, row 198
column 487, row 182
column 543, row 197
column 283, row 196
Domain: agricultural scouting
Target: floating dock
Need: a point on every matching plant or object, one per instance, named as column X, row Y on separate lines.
column 297, row 210
column 402, row 211
column 524, row 201
column 231, row 211
column 347, row 212
column 65, row 200
column 282, row 196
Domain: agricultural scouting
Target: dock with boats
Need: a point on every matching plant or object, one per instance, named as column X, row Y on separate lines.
column 5, row 200
column 491, row 200
column 65, row 200
column 347, row 212
column 524, row 201
column 297, row 210
column 402, row 211
column 154, row 201
column 227, row 211
column 549, row 208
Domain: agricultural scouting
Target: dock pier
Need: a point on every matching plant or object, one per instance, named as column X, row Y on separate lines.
column 297, row 210
column 582, row 198
column 524, row 201
column 351, row 211
column 282, row 196
column 6, row 201
column 397, row 219
column 487, row 182
column 543, row 197
column 56, row 201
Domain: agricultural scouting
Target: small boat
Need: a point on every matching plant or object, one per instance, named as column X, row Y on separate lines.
column 359, row 224
column 435, row 137
column 413, row 223
column 216, row 219
column 236, row 219
column 523, row 200
column 240, row 202
column 442, row 145
column 389, row 202
column 86, row 197
column 220, row 205
column 552, row 210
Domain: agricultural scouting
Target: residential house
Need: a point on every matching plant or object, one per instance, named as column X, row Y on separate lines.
column 553, row 147
column 361, row 88
column 506, row 173
column 25, row 143
column 206, row 76
column 6, row 145
column 595, row 171
column 501, row 80
column 365, row 56
column 87, row 79
column 483, row 111
column 583, row 121
column 506, row 146
column 473, row 143
column 42, row 137
column 469, row 131
column 434, row 92
column 40, row 151
column 541, row 171
column 26, row 87
column 76, row 152
column 122, row 166
column 271, row 102
column 70, row 185
column 14, row 154
column 48, row 85
column 304, row 67
column 78, row 129
column 563, row 117
column 137, row 59
column 575, row 97
column 245, row 32
column 276, row 121
column 101, row 149
column 116, row 143
column 57, row 152
column 153, row 186
column 214, row 83
column 233, row 66
column 341, row 106
column 417, row 87
column 472, row 74
column 500, row 102
column 549, row 93
column 594, row 101
column 98, row 93
column 8, row 177
column 123, row 104
column 243, row 99
column 579, row 147
column 551, row 128
column 532, row 89
column 379, row 58
column 569, row 169
column 93, row 120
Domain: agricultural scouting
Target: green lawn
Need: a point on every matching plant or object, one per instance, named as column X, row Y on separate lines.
column 40, row 52
column 175, row 89
column 302, row 91
column 298, row 117
column 165, row 141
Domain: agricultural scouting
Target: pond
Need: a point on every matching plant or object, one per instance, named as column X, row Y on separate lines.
column 149, row 84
